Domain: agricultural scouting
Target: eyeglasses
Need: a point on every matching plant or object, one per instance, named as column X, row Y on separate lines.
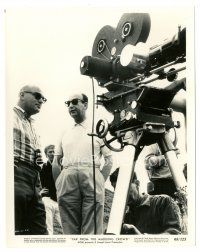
column 73, row 101
column 37, row 96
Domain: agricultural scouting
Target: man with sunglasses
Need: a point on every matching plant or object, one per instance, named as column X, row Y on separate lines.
column 30, row 217
column 74, row 183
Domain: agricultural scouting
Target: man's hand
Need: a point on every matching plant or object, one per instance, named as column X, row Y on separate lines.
column 38, row 157
column 44, row 192
column 107, row 167
column 130, row 229
column 155, row 161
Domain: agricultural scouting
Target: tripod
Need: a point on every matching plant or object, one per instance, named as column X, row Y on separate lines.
column 146, row 134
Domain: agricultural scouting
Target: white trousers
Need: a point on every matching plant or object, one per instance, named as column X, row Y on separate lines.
column 75, row 193
column 52, row 212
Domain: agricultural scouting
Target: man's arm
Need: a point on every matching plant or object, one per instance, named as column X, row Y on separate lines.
column 107, row 167
column 42, row 175
column 56, row 166
column 16, row 136
column 130, row 229
column 57, row 161
column 170, row 216
column 154, row 161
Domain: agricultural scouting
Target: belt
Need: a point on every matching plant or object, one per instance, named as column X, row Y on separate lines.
column 27, row 165
column 77, row 165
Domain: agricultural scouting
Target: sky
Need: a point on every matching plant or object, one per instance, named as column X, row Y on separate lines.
column 45, row 45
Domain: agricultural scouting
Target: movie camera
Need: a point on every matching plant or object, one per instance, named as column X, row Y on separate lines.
column 122, row 64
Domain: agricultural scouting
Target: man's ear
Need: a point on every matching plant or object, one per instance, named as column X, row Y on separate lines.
column 86, row 105
column 21, row 95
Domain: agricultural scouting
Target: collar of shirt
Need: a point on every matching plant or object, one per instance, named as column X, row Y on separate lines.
column 24, row 114
column 49, row 163
column 85, row 124
column 145, row 200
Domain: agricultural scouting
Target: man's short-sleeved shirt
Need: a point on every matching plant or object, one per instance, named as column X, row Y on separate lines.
column 76, row 146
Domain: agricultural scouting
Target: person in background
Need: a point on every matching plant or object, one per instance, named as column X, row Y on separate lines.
column 113, row 177
column 150, row 214
column 74, row 184
column 161, row 180
column 185, row 170
column 30, row 217
column 48, row 191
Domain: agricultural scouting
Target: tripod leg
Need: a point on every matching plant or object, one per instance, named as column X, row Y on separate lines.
column 121, row 192
column 176, row 170
column 167, row 149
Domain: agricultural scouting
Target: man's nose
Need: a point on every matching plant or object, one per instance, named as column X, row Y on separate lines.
column 40, row 100
column 71, row 105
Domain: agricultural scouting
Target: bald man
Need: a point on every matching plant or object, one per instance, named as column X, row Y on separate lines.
column 30, row 217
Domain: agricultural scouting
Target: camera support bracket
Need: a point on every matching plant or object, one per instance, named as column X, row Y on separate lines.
column 135, row 140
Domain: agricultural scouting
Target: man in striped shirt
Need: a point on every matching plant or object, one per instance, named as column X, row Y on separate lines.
column 30, row 217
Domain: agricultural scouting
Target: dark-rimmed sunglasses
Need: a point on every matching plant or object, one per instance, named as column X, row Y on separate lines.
column 73, row 101
column 37, row 96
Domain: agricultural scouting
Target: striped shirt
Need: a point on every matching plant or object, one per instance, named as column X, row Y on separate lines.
column 25, row 140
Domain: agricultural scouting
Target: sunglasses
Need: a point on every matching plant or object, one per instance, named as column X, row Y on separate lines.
column 37, row 96
column 73, row 101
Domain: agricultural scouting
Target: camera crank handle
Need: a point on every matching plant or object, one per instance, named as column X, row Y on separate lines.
column 107, row 143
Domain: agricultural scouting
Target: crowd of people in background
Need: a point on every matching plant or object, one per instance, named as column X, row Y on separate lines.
column 62, row 189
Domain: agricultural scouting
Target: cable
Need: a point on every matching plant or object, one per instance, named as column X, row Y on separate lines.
column 93, row 161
